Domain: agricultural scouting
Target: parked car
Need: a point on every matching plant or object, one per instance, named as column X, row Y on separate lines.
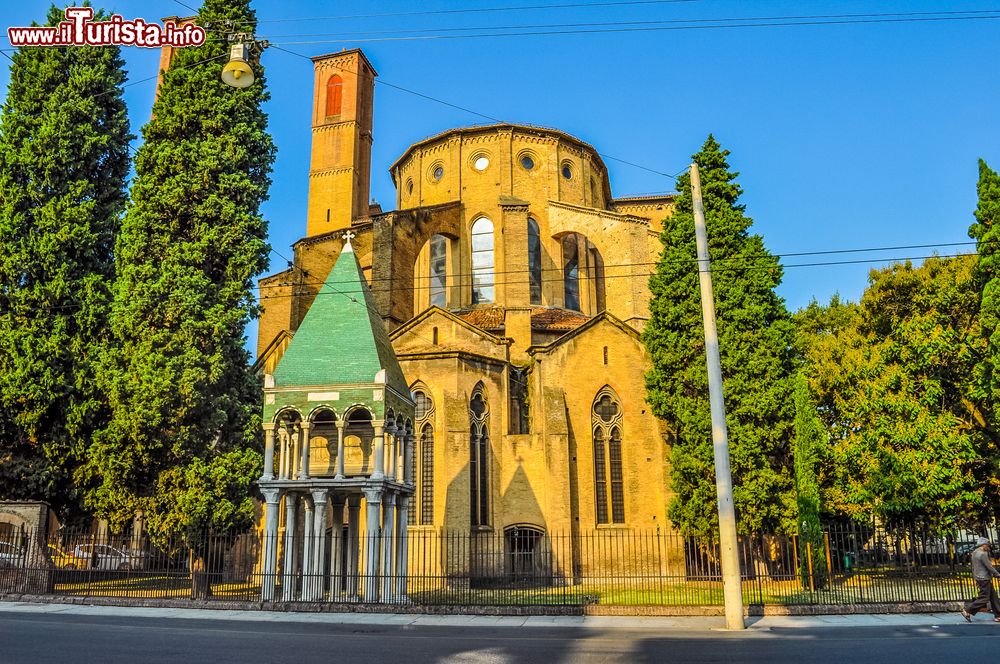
column 64, row 559
column 963, row 551
column 11, row 555
column 102, row 556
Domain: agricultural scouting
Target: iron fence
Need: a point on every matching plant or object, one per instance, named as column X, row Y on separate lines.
column 609, row 566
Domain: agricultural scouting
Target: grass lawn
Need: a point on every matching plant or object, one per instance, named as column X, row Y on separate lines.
column 880, row 586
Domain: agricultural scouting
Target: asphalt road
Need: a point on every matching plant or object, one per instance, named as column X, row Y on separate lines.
column 80, row 639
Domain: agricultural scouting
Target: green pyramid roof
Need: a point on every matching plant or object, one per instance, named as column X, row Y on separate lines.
column 341, row 340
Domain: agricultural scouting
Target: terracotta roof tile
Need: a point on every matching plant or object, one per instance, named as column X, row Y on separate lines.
column 542, row 318
column 556, row 319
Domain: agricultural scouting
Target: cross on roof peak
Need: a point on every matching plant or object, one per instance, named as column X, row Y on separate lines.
column 349, row 236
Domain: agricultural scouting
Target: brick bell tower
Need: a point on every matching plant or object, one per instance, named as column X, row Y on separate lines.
column 340, row 170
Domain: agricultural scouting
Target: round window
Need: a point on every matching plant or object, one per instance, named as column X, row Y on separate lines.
column 567, row 171
column 438, row 172
column 481, row 163
column 527, row 163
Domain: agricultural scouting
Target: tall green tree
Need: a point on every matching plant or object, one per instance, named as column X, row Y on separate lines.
column 916, row 447
column 191, row 243
column 755, row 341
column 986, row 232
column 829, row 344
column 810, row 441
column 63, row 165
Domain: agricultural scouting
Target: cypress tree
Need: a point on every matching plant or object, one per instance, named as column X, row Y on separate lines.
column 755, row 340
column 63, row 165
column 986, row 232
column 191, row 243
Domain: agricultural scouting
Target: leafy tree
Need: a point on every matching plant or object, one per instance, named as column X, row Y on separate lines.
column 63, row 165
column 200, row 497
column 810, row 439
column 916, row 448
column 755, row 340
column 193, row 239
column 829, row 345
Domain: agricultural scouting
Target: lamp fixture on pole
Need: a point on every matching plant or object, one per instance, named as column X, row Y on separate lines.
column 237, row 72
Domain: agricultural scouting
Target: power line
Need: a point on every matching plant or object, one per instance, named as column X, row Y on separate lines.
column 716, row 261
column 379, row 81
column 987, row 13
column 588, row 277
column 725, row 26
column 479, row 10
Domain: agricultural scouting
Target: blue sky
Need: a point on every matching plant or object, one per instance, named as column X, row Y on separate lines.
column 846, row 136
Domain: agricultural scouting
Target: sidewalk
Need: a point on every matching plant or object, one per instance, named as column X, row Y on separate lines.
column 660, row 624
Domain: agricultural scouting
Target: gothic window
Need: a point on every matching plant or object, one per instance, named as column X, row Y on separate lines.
column 334, row 95
column 439, row 271
column 517, row 405
column 427, row 475
column 482, row 261
column 609, row 491
column 534, row 262
column 423, row 508
column 479, row 443
column 571, row 272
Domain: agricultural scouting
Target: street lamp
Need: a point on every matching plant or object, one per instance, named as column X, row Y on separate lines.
column 238, row 73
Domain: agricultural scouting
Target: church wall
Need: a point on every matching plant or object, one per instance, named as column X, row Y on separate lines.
column 578, row 365
column 624, row 246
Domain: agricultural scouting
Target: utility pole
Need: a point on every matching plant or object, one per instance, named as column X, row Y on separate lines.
column 720, row 436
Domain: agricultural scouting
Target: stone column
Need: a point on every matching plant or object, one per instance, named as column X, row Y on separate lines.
column 288, row 578
column 408, row 456
column 308, row 542
column 293, row 452
column 340, row 449
column 306, row 426
column 319, row 548
column 388, row 544
column 353, row 543
column 397, row 445
column 378, row 463
column 336, row 546
column 402, row 513
column 283, row 459
column 373, row 499
column 269, row 567
column 268, row 473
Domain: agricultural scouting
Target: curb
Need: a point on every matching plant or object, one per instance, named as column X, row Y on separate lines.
column 530, row 610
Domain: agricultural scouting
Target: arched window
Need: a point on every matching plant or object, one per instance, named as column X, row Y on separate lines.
column 606, row 419
column 571, row 272
column 479, row 444
column 439, row 271
column 534, row 262
column 424, row 472
column 427, row 475
column 334, row 95
column 482, row 260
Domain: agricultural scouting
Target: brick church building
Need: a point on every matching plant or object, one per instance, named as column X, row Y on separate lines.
column 513, row 287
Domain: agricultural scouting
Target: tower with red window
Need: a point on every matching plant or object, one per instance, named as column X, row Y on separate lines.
column 339, row 174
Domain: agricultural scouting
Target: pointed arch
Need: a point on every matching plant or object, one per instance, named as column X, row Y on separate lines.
column 334, row 95
column 482, row 260
column 534, row 262
column 607, row 427
column 479, row 445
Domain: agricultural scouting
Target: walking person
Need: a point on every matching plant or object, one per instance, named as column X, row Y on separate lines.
column 983, row 573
